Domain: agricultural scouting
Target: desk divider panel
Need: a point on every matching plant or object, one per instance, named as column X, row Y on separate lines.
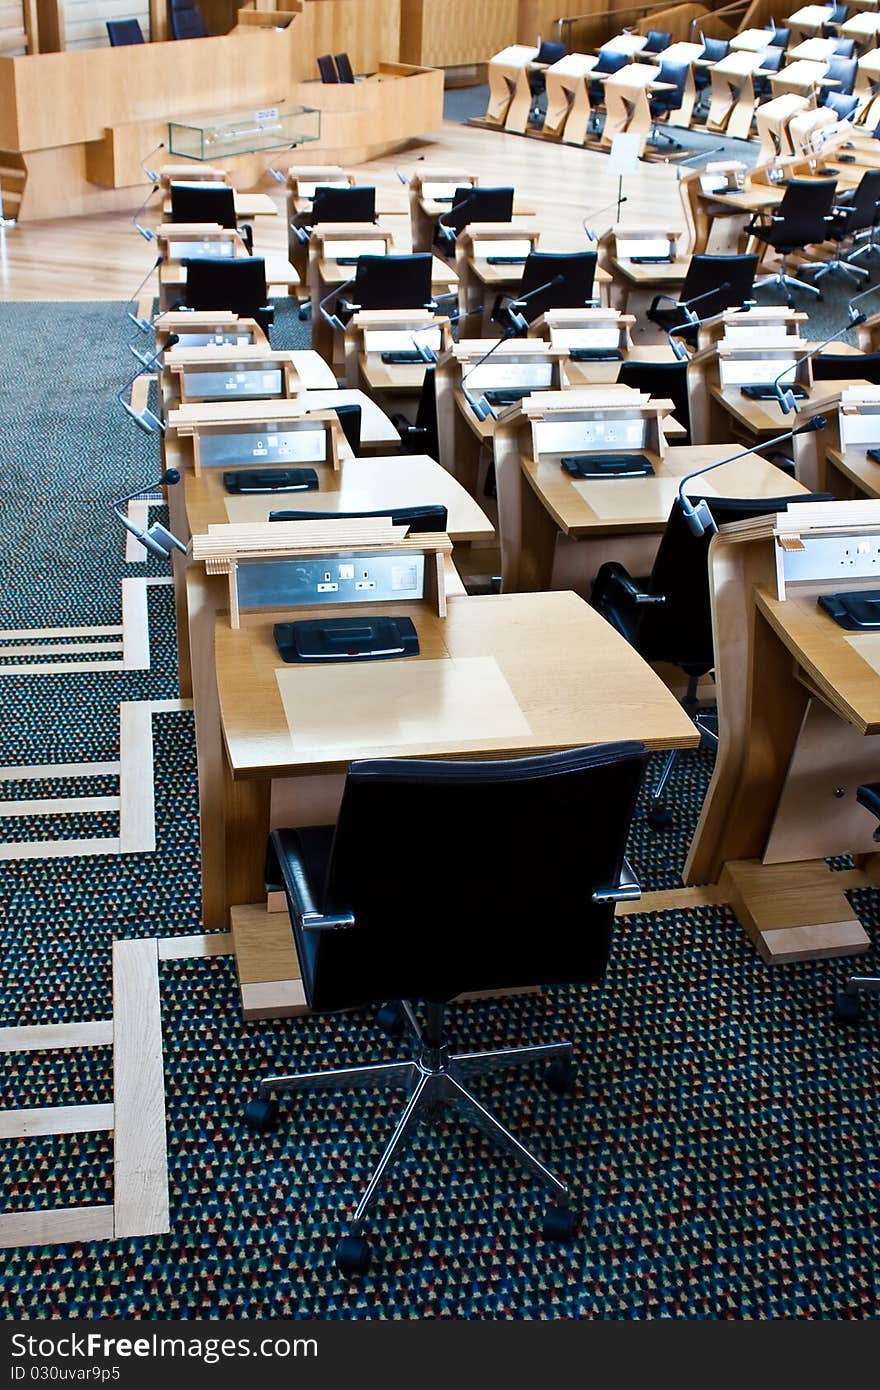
column 311, row 439
column 596, row 329
column 760, row 365
column 859, row 418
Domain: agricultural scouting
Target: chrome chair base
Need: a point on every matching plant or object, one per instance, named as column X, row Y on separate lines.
column 784, row 282
column 659, row 817
column 823, row 268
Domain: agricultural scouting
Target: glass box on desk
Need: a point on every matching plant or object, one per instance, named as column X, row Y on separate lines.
column 248, row 132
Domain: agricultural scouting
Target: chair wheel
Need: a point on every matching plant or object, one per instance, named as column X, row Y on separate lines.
column 390, row 1019
column 659, row 817
column 561, row 1224
column 261, row 1115
column 353, row 1255
column 561, row 1075
column 847, row 1007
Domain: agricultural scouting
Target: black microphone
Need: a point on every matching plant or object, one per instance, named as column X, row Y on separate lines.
column 516, row 323
column 145, row 419
column 145, row 231
column 333, row 319
column 679, row 349
column 592, row 234
column 143, row 324
column 479, row 405
column 156, row 538
column 700, row 519
column 151, row 173
column 447, row 235
column 686, row 303
column 786, row 398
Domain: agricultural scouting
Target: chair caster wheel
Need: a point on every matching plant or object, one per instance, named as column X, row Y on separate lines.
column 261, row 1115
column 847, row 1007
column 659, row 817
column 390, row 1019
column 561, row 1224
column 353, row 1256
column 561, row 1076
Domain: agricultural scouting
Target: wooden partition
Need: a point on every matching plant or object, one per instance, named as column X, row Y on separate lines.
column 456, row 33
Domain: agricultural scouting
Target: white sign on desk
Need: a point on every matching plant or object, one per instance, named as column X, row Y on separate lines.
column 624, row 156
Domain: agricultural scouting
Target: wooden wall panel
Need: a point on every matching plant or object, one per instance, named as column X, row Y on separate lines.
column 456, row 33
column 367, row 30
column 85, row 20
column 12, row 32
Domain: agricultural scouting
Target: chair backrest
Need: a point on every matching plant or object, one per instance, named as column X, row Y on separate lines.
column 844, row 48
column 471, row 204
column 714, row 49
column 186, row 20
column 771, row 61
column 344, row 68
column 838, row 14
column 843, row 70
column 731, row 277
column 844, row 106
column 350, row 418
column 864, row 210
column 846, row 366
column 663, row 381
column 779, row 37
column 804, row 207
column 355, row 204
column 578, row 271
column 563, row 817
column 550, row 52
column 238, row 285
column 195, row 202
column 121, row 32
column 658, row 39
column 426, row 416
column 676, row 75
column 327, row 68
column 611, row 60
column 428, row 517
column 680, row 630
column 393, row 282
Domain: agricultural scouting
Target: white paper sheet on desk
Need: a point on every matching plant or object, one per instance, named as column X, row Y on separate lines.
column 394, row 704
column 867, row 644
column 631, row 498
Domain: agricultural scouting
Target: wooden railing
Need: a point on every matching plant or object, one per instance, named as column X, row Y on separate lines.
column 582, row 31
column 723, row 23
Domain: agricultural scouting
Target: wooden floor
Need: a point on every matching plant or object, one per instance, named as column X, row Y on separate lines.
column 104, row 257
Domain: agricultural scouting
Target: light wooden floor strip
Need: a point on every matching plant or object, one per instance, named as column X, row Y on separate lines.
column 55, row 1227
column 135, row 626
column 61, row 648
column 46, row 1037
column 47, row 770
column 140, row 1201
column 61, row 806
column 137, row 815
column 60, row 668
column 139, row 513
column 668, row 899
column 58, row 849
column 24, row 634
column 55, row 1119
column 217, row 943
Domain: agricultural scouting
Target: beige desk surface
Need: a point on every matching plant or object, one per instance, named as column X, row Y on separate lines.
column 390, row 376
column 279, row 271
column 507, row 675
column 598, row 507
column 593, row 373
column 386, row 205
column 443, row 276
column 376, row 428
column 672, row 273
column 766, row 417
column 432, row 209
column 361, row 484
column 497, row 275
column 855, row 465
column 485, row 429
column 246, row 205
column 843, row 666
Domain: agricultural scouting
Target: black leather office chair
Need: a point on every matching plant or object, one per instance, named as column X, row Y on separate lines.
column 327, row 69
column 848, row 1002
column 421, row 437
column 802, row 219
column 122, row 32
column 668, row 616
column 577, row 270
column 238, row 285
column 844, row 48
column 430, row 517
column 726, row 281
column 196, row 202
column 713, row 51
column 857, row 211
column 657, row 41
column 771, row 61
column 357, row 895
column 344, row 69
column 548, row 53
column 778, row 37
column 663, row 381
column 609, row 61
column 664, row 103
column 835, row 19
column 844, row 106
column 846, row 366
column 843, row 72
column 186, row 20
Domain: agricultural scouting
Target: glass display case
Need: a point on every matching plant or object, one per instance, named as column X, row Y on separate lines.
column 246, row 132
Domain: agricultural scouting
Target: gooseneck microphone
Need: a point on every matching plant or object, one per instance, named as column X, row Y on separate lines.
column 156, row 538
column 333, row 319
column 786, row 398
column 700, row 519
column 517, row 327
column 145, row 419
column 592, row 234
column 445, row 233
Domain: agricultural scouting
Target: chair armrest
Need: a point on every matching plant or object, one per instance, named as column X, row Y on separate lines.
column 284, row 858
column 626, row 890
column 268, row 312
column 622, row 581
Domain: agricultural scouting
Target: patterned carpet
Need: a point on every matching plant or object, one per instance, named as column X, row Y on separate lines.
column 722, row 1139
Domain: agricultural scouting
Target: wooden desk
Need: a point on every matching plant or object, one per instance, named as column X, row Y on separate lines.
column 638, row 285
column 378, row 435
column 772, row 119
column 281, row 278
column 510, row 96
column 810, row 20
column 733, row 92
column 246, row 204
column 568, row 101
column 750, row 41
column 802, row 77
column 814, row 50
column 627, row 103
column 864, row 28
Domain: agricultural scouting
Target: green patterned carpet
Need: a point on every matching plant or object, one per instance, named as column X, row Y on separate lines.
column 723, row 1137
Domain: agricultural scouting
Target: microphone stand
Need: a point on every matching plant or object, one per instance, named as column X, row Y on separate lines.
column 156, row 538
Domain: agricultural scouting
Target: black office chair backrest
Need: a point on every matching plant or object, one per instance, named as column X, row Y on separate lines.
column 429, row 930
column 658, row 39
column 426, row 417
column 843, row 48
column 393, row 282
column 680, row 629
column 842, row 70
column 771, row 61
column 611, row 60
column 344, row 68
column 238, row 285
column 778, row 37
column 122, row 32
column 676, row 75
column 186, row 20
column 355, row 204
column 804, row 207
column 731, row 277
column 195, row 202
column 838, row 14
column 714, row 49
column 479, row 205
column 663, row 381
column 578, row 272
column 350, row 417
column 864, row 208
column 844, row 106
column 550, row 52
column 846, row 366
column 431, row 516
column 327, row 68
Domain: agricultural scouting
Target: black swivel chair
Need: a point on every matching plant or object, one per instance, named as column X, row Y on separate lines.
column 860, row 211
column 344, row 69
column 664, row 381
column 391, row 282
column 238, row 285
column 421, row 437
column 664, row 103
column 843, row 72
column 547, row 53
column 122, row 32
column 199, row 202
column 726, row 281
column 844, row 106
column 778, row 37
column 430, row 517
column 327, row 69
column 356, row 898
column 847, row 1003
column 771, row 61
column 577, row 272
column 354, row 204
column 657, row 41
column 835, row 19
column 713, row 51
column 802, row 219
column 186, row 20
column 846, row 366
column 668, row 616
column 610, row 60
